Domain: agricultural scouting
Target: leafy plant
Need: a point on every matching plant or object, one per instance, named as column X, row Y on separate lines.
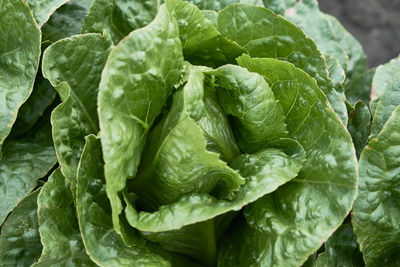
column 193, row 133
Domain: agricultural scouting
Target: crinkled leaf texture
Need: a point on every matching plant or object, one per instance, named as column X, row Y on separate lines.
column 135, row 84
column 285, row 227
column 385, row 93
column 375, row 213
column 94, row 215
column 19, row 59
column 119, row 17
column 197, row 211
column 58, row 226
column 73, row 66
column 202, row 43
column 20, row 241
column 264, row 34
column 25, row 160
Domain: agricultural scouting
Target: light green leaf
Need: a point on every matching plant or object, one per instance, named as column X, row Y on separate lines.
column 176, row 161
column 375, row 212
column 73, row 66
column 258, row 118
column 191, row 226
column 202, row 44
column 103, row 244
column 135, row 84
column 359, row 125
column 285, row 227
column 20, row 241
column 58, row 226
column 66, row 21
column 19, row 60
column 264, row 34
column 264, row 172
column 384, row 75
column 42, row 9
column 386, row 90
column 359, row 88
column 221, row 4
column 341, row 249
column 119, row 17
column 336, row 74
column 24, row 161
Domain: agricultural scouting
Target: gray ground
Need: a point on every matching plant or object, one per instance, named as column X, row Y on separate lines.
column 375, row 23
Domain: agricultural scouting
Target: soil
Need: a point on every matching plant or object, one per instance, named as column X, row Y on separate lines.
column 375, row 23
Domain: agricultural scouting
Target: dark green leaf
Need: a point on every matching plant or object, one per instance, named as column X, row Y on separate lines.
column 19, row 60
column 58, row 226
column 20, row 241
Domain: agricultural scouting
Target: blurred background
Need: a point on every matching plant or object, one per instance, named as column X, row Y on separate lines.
column 375, row 23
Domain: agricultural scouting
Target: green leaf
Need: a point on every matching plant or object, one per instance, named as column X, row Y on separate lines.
column 42, row 96
column 258, row 118
column 359, row 125
column 384, row 75
column 191, row 226
column 202, row 44
column 375, row 212
column 386, row 90
column 176, row 162
column 20, row 241
column 103, row 244
column 24, row 161
column 73, row 66
column 19, row 60
column 42, row 9
column 66, row 21
column 119, row 17
column 58, row 226
column 336, row 74
column 135, row 84
column 264, row 172
column 359, row 88
column 357, row 58
column 221, row 4
column 341, row 249
column 385, row 95
column 300, row 215
column 264, row 34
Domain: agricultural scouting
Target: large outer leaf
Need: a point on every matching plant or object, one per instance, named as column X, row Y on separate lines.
column 202, row 44
column 264, row 34
column 376, row 210
column 103, row 244
column 386, row 91
column 73, row 66
column 58, row 226
column 341, row 249
column 42, row 9
column 285, row 227
column 135, row 85
column 19, row 59
column 119, row 17
column 20, row 241
column 25, row 160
